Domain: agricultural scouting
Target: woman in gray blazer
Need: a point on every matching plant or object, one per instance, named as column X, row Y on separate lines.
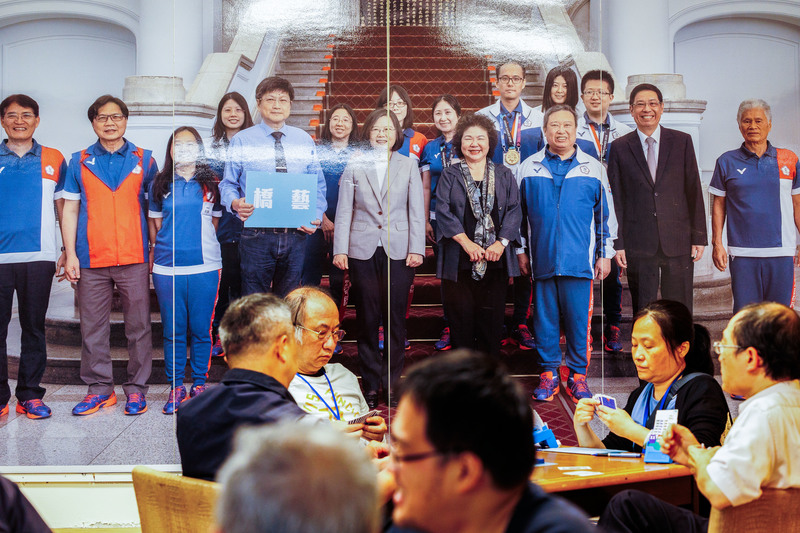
column 379, row 235
column 478, row 217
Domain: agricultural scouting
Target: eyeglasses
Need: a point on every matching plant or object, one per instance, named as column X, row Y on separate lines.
column 411, row 457
column 377, row 131
column 590, row 93
column 718, row 347
column 337, row 334
column 397, row 104
column 516, row 80
column 116, row 117
column 269, row 100
column 27, row 117
column 641, row 105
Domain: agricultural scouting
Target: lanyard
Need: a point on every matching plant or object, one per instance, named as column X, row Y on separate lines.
column 601, row 146
column 335, row 414
column 510, row 134
column 447, row 155
column 661, row 403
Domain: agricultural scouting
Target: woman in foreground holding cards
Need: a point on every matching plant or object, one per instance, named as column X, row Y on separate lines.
column 673, row 356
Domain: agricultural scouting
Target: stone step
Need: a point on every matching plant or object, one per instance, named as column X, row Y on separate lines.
column 309, row 76
column 308, row 89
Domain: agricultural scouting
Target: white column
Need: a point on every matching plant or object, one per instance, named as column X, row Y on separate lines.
column 635, row 36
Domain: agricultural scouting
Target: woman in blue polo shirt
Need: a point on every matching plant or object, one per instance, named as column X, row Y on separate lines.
column 398, row 100
column 437, row 155
column 184, row 211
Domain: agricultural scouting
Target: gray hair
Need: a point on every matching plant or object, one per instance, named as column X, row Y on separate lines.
column 298, row 302
column 555, row 109
column 753, row 103
column 290, row 478
column 254, row 319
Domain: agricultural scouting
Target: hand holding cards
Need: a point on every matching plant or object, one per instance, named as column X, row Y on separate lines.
column 607, row 401
column 361, row 419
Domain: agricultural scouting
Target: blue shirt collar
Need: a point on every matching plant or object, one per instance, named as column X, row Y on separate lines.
column 550, row 156
column 606, row 123
column 504, row 111
column 98, row 149
column 36, row 149
column 771, row 151
column 268, row 129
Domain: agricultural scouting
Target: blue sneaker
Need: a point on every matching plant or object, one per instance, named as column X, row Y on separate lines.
column 216, row 350
column 176, row 397
column 136, row 404
column 93, row 403
column 380, row 339
column 197, row 389
column 547, row 389
column 443, row 344
column 577, row 387
column 3, row 410
column 523, row 338
column 34, row 409
column 407, row 344
column 339, row 349
column 611, row 340
column 737, row 397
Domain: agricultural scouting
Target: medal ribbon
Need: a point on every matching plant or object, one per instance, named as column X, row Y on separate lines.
column 447, row 155
column 601, row 146
column 511, row 134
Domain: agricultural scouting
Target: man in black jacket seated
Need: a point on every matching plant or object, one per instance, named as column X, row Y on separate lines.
column 259, row 343
column 463, row 453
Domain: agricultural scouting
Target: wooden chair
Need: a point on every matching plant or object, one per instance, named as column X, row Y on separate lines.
column 775, row 511
column 171, row 502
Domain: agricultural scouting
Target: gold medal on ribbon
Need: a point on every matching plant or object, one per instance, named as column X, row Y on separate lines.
column 512, row 156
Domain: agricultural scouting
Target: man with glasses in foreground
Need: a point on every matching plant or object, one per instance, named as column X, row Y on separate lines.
column 759, row 359
column 326, row 390
column 463, row 453
column 104, row 229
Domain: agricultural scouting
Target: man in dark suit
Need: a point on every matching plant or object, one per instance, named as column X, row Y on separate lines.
column 659, row 204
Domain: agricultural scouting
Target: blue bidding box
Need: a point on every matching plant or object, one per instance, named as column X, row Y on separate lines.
column 281, row 200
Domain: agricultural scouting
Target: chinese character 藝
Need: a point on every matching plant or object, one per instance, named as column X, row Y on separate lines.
column 301, row 199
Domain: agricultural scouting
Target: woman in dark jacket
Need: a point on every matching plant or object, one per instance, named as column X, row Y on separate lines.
column 673, row 356
column 478, row 219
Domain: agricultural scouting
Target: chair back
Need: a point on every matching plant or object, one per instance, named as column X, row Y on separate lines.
column 171, row 502
column 775, row 511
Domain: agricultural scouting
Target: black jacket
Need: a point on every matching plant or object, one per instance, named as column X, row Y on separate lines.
column 207, row 423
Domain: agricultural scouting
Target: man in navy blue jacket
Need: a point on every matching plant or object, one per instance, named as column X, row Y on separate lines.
column 258, row 338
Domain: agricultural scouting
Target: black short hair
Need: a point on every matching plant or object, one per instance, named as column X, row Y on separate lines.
column 645, row 87
column 103, row 100
column 218, row 131
column 274, row 83
column 384, row 97
column 22, row 100
column 373, row 118
column 774, row 331
column 520, row 65
column 676, row 324
column 450, row 99
column 473, row 405
column 600, row 75
column 572, row 87
column 468, row 120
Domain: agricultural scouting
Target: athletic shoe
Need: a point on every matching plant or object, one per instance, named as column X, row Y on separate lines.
column 197, row 389
column 443, row 344
column 4, row 410
column 407, row 344
column 34, row 409
column 547, row 389
column 380, row 339
column 216, row 350
column 339, row 349
column 611, row 342
column 577, row 387
column 93, row 403
column 136, row 404
column 176, row 397
column 737, row 397
column 523, row 338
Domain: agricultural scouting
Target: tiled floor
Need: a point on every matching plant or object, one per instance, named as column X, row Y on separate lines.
column 108, row 437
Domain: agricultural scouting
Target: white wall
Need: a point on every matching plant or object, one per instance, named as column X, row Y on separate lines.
column 728, row 60
column 64, row 64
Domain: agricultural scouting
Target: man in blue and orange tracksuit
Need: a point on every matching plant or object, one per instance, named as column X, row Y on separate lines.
column 31, row 175
column 566, row 202
column 105, row 235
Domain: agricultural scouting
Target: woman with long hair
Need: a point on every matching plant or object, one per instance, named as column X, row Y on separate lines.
column 232, row 117
column 560, row 87
column 186, row 263
column 397, row 100
column 338, row 139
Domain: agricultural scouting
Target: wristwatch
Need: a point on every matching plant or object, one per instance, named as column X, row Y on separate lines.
column 504, row 242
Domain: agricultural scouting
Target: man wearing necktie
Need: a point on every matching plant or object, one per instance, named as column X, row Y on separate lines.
column 271, row 258
column 659, row 203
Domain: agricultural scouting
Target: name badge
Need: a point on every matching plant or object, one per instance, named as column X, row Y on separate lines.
column 207, row 207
